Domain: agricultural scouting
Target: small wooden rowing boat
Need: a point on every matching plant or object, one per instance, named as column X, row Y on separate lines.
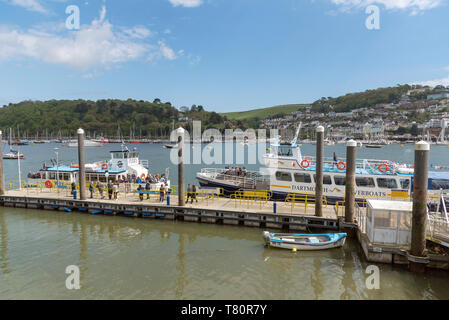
column 304, row 241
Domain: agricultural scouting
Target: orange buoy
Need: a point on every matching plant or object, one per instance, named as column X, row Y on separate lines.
column 341, row 165
column 383, row 167
column 105, row 166
column 142, row 176
column 74, row 166
column 49, row 184
column 305, row 163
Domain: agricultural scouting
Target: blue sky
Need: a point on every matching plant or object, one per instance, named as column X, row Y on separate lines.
column 227, row 55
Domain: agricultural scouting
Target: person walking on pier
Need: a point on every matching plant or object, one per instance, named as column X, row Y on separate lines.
column 189, row 193
column 110, row 190
column 147, row 189
column 91, row 189
column 194, row 193
column 139, row 190
column 73, row 188
column 100, row 189
column 115, row 189
column 162, row 193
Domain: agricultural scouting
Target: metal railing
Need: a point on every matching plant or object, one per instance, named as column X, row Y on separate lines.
column 251, row 197
column 293, row 199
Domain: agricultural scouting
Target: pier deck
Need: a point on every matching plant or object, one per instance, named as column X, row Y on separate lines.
column 218, row 210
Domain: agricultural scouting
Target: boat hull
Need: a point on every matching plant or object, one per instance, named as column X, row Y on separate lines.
column 304, row 242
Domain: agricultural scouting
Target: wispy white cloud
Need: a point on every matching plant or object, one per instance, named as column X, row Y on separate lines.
column 97, row 45
column 32, row 5
column 186, row 3
column 415, row 6
column 138, row 32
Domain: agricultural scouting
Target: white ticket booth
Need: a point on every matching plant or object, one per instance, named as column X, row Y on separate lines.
column 389, row 222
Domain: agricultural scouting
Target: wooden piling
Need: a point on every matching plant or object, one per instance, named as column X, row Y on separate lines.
column 351, row 154
column 81, row 164
column 181, row 137
column 319, row 171
column 2, row 177
column 418, row 252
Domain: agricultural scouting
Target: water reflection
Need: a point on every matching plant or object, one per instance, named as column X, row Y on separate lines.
column 181, row 268
column 4, row 245
column 121, row 257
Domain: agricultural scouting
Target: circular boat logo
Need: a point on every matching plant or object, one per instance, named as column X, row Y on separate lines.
column 120, row 164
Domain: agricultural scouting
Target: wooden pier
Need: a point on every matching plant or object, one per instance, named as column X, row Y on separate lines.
column 217, row 211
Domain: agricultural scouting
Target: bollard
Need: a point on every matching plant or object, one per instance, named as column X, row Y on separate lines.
column 418, row 254
column 351, row 152
column 2, row 177
column 181, row 200
column 274, row 207
column 319, row 171
column 81, row 164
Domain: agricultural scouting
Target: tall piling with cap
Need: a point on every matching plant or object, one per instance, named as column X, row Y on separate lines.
column 351, row 154
column 319, row 171
column 418, row 253
column 2, row 177
column 81, row 164
column 181, row 137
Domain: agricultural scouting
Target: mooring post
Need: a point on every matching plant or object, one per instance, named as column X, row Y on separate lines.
column 319, row 171
column 351, row 153
column 418, row 254
column 181, row 137
column 2, row 177
column 81, row 164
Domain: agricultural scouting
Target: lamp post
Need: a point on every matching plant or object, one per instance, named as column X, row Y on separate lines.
column 18, row 168
column 57, row 166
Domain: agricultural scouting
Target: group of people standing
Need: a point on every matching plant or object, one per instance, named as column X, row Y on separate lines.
column 112, row 188
column 235, row 171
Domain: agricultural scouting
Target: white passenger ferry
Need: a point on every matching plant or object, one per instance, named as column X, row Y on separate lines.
column 122, row 167
column 288, row 172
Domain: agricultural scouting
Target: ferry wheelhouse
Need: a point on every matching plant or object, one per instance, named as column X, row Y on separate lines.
column 289, row 172
column 123, row 166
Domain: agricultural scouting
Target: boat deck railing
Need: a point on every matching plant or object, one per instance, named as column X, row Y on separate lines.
column 247, row 180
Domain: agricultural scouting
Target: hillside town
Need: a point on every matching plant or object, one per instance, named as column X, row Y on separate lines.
column 421, row 113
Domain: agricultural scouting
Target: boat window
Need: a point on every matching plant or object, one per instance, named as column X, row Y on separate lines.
column 66, row 176
column 286, row 152
column 388, row 183
column 283, row 176
column 326, row 179
column 440, row 184
column 52, row 176
column 303, row 177
column 365, row 182
column 340, row 180
column 405, row 183
column 117, row 155
column 125, row 155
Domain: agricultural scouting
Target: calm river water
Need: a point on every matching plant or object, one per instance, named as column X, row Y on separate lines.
column 125, row 258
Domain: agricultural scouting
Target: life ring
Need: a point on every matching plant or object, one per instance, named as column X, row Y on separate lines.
column 142, row 176
column 339, row 167
column 49, row 184
column 105, row 166
column 305, row 163
column 383, row 167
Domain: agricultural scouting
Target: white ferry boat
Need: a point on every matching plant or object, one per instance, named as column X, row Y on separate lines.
column 123, row 166
column 288, row 172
